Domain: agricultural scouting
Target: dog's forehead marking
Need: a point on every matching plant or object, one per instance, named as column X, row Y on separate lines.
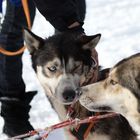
column 63, row 64
column 72, row 63
column 56, row 61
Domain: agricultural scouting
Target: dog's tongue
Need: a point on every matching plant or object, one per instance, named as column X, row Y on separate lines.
column 71, row 108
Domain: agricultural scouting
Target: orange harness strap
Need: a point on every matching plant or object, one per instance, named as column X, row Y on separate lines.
column 27, row 15
column 88, row 130
column 27, row 12
column 82, row 131
column 90, row 127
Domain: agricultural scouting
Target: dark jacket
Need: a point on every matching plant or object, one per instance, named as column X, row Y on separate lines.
column 62, row 13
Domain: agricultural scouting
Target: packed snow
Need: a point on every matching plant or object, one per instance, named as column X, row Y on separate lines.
column 119, row 23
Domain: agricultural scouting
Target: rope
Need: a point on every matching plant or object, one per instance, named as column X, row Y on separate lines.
column 27, row 15
column 43, row 133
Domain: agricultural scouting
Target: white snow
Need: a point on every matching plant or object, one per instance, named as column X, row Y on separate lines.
column 119, row 23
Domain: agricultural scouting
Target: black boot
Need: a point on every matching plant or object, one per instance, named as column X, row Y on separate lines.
column 15, row 113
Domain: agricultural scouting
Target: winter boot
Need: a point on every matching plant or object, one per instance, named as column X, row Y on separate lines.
column 15, row 113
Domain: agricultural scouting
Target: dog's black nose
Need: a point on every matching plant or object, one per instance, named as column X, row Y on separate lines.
column 69, row 95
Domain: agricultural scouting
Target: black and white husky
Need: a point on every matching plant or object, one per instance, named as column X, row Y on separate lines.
column 120, row 92
column 62, row 64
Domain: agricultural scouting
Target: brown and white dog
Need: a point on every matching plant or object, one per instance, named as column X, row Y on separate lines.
column 119, row 92
column 63, row 63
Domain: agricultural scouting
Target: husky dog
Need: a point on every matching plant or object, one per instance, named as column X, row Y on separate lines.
column 63, row 63
column 119, row 92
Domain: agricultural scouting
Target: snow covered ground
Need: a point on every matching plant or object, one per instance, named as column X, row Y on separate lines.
column 119, row 23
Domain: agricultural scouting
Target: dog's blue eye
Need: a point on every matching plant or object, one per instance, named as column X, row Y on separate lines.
column 52, row 69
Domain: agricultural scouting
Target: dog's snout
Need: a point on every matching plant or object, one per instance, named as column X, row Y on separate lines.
column 69, row 95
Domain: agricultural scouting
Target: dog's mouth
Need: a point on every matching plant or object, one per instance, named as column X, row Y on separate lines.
column 100, row 108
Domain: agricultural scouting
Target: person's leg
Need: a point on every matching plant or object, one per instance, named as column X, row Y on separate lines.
column 81, row 12
column 81, row 9
column 15, row 102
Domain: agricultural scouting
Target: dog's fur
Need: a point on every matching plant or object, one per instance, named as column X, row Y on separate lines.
column 62, row 64
column 119, row 92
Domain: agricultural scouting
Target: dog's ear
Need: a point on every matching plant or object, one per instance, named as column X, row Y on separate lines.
column 32, row 41
column 89, row 42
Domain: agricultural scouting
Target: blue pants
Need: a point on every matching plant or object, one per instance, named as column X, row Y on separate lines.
column 15, row 102
column 11, row 38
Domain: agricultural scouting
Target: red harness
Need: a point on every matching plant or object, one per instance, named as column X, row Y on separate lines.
column 45, row 132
